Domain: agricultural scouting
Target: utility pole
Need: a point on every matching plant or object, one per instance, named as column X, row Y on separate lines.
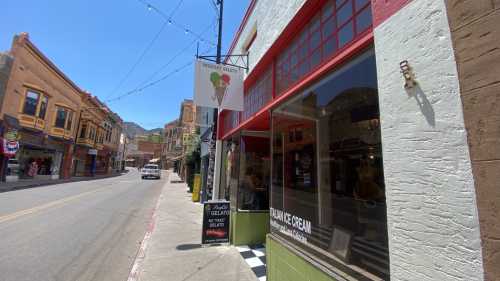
column 216, row 156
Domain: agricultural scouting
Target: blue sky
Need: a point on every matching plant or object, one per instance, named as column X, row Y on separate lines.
column 97, row 42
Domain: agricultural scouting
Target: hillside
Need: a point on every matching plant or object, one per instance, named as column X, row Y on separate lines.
column 133, row 129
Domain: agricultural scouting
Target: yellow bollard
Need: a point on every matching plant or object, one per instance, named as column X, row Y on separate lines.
column 196, row 188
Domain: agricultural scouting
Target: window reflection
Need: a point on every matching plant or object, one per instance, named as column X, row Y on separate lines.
column 327, row 169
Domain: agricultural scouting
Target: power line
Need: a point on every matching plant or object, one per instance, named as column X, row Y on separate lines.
column 145, row 51
column 153, row 83
column 183, row 50
column 137, row 90
column 176, row 24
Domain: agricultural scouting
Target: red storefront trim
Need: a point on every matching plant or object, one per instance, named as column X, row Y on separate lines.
column 263, row 114
column 384, row 9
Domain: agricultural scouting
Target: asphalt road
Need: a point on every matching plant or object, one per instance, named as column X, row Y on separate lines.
column 75, row 231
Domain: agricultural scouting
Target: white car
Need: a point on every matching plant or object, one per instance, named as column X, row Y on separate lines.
column 151, row 171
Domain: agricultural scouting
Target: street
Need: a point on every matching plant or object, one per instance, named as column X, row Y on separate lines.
column 81, row 231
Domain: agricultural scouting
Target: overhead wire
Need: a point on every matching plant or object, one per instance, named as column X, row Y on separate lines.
column 145, row 51
column 183, row 50
column 176, row 24
column 147, row 83
column 153, row 83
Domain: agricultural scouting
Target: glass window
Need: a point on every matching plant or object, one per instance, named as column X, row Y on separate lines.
column 361, row 3
column 61, row 115
column 330, row 47
column 364, row 20
column 43, row 107
column 254, row 173
column 344, row 13
column 30, row 103
column 346, row 34
column 70, row 120
column 327, row 10
column 327, row 175
column 315, row 58
column 83, row 131
column 315, row 40
column 329, row 30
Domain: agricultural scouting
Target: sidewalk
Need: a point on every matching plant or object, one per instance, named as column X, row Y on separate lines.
column 173, row 250
column 29, row 183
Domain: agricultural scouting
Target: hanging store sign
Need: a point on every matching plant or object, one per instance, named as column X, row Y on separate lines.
column 10, row 147
column 215, row 222
column 218, row 86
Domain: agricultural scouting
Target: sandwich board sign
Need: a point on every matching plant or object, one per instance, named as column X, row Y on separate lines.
column 218, row 86
column 215, row 228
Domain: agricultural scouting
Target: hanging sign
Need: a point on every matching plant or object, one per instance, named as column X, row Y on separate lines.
column 10, row 147
column 215, row 222
column 218, row 86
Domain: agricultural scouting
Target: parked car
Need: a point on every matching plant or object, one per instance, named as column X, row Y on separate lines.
column 151, row 171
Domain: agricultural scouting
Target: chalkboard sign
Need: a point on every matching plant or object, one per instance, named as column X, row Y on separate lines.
column 215, row 222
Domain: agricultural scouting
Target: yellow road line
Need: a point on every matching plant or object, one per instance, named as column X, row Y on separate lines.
column 46, row 206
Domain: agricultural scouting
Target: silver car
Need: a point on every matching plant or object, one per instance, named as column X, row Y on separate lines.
column 151, row 171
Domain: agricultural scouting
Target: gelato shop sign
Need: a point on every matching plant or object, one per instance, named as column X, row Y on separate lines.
column 218, row 86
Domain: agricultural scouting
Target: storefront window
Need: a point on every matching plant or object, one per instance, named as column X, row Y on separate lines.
column 254, row 169
column 30, row 103
column 328, row 193
column 61, row 115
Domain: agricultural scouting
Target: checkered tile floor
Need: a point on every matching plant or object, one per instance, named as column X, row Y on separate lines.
column 255, row 257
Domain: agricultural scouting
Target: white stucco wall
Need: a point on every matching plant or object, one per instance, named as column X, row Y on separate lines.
column 271, row 17
column 432, row 213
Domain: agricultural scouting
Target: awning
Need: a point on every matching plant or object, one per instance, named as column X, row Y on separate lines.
column 154, row 160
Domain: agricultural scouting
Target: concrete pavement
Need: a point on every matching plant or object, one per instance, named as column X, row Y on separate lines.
column 173, row 251
column 76, row 231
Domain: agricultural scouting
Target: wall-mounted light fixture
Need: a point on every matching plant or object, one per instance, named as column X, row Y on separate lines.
column 408, row 74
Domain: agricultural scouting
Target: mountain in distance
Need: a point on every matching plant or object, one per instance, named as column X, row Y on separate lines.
column 133, row 129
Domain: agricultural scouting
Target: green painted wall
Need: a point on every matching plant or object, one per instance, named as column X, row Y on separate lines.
column 284, row 265
column 249, row 228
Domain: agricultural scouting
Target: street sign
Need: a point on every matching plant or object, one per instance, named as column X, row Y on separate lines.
column 215, row 222
column 218, row 86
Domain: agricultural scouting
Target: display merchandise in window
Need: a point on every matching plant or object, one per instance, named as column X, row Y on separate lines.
column 328, row 193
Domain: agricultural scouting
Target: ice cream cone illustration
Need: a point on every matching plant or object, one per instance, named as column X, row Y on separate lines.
column 220, row 83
